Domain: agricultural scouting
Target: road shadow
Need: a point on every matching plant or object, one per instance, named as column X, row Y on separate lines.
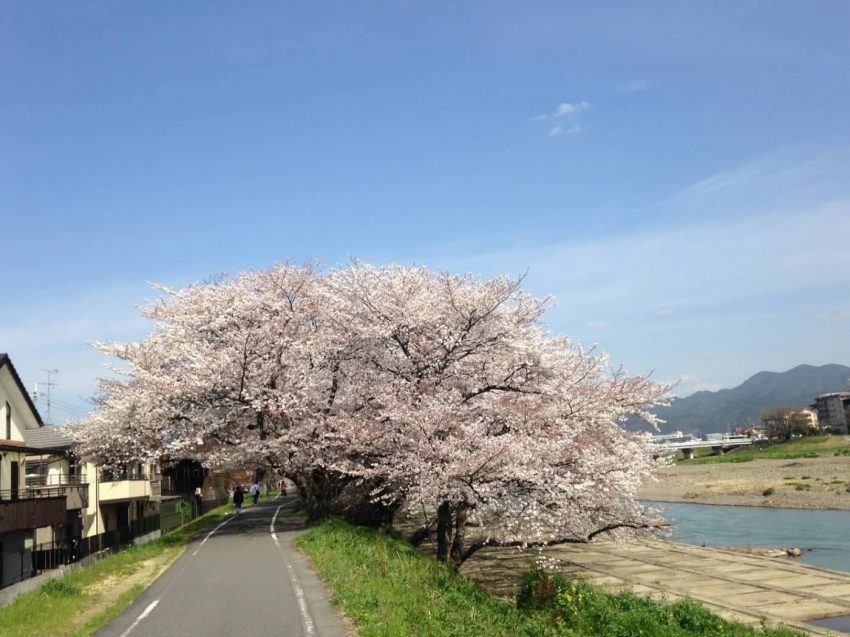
column 256, row 520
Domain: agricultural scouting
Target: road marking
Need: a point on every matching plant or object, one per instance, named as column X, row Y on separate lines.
column 274, row 519
column 271, row 526
column 306, row 620
column 144, row 614
column 210, row 534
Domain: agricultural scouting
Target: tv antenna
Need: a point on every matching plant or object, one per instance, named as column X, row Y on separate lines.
column 50, row 385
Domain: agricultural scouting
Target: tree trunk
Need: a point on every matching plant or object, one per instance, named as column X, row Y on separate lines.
column 459, row 542
column 444, row 527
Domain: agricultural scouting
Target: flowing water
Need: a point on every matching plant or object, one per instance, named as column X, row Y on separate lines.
column 824, row 536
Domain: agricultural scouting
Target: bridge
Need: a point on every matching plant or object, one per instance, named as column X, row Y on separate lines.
column 718, row 445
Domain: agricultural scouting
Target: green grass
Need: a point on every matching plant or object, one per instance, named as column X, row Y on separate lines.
column 807, row 447
column 50, row 610
column 391, row 590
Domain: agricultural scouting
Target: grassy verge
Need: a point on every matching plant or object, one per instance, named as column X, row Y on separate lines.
column 390, row 590
column 81, row 602
column 808, row 447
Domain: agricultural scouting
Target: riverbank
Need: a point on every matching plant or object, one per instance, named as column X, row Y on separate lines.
column 801, row 483
column 389, row 589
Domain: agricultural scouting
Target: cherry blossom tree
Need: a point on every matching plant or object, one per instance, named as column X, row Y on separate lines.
column 484, row 415
column 426, row 391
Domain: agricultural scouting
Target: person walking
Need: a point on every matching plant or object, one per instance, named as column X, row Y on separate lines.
column 238, row 497
column 255, row 492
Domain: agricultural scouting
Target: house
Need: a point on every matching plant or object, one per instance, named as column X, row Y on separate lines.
column 114, row 499
column 55, row 508
column 34, row 509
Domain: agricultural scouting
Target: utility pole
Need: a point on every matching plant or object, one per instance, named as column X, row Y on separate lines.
column 50, row 385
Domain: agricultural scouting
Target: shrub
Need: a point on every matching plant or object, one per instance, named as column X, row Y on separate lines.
column 60, row 588
column 186, row 511
column 768, row 491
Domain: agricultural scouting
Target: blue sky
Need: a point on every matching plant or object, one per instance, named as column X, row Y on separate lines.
column 676, row 174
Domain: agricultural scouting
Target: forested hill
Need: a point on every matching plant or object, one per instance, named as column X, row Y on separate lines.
column 707, row 411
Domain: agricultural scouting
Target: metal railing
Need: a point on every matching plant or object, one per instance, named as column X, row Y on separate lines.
column 34, row 493
column 26, row 563
column 55, row 479
column 44, row 486
column 111, row 475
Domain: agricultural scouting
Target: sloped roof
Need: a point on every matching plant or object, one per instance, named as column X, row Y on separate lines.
column 48, row 437
column 5, row 361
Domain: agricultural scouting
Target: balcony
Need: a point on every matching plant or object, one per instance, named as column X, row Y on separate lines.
column 73, row 487
column 22, row 509
column 127, row 489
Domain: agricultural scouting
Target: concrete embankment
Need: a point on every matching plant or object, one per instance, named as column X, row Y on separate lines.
column 748, row 589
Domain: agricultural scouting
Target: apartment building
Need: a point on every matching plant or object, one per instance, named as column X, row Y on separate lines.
column 832, row 409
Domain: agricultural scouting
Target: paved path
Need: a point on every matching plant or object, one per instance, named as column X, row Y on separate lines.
column 245, row 578
column 741, row 587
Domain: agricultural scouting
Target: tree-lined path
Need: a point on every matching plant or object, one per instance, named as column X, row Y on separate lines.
column 244, row 578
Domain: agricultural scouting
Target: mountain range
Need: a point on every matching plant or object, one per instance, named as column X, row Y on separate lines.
column 718, row 411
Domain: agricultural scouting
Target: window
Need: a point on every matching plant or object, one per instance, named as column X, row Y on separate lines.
column 75, row 470
column 8, row 421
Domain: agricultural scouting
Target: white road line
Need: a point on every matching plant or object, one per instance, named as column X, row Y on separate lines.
column 144, row 614
column 210, row 534
column 306, row 620
column 274, row 519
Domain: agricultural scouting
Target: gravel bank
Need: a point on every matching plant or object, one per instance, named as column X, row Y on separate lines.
column 804, row 483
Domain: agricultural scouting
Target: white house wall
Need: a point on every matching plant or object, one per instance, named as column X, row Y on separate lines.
column 22, row 416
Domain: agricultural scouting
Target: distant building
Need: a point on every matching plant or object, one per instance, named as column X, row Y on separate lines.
column 811, row 417
column 832, row 409
column 781, row 423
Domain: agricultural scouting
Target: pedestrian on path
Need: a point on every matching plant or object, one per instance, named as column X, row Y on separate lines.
column 282, row 486
column 255, row 492
column 238, row 497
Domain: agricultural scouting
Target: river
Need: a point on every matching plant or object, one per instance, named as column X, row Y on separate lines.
column 823, row 535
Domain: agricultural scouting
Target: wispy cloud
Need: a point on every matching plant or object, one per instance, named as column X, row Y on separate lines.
column 628, row 87
column 570, row 108
column 565, row 130
column 564, row 111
